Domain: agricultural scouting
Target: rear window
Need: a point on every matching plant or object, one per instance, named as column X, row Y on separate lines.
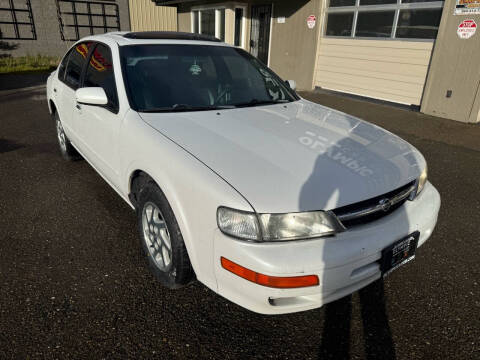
column 76, row 62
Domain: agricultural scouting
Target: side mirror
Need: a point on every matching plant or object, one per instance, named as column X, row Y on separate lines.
column 91, row 96
column 292, row 84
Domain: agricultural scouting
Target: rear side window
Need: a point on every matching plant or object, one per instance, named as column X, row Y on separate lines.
column 76, row 61
column 100, row 74
column 63, row 66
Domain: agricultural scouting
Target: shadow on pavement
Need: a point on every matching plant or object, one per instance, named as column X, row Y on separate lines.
column 376, row 330
column 7, row 145
column 19, row 81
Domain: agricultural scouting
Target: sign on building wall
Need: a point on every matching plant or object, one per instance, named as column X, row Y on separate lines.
column 311, row 21
column 466, row 29
column 467, row 7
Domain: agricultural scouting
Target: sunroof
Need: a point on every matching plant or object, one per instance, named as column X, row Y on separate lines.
column 170, row 35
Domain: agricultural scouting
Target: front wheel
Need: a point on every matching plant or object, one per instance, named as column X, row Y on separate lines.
column 162, row 240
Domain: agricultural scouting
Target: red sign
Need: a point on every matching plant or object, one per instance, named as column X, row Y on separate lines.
column 311, row 21
column 466, row 29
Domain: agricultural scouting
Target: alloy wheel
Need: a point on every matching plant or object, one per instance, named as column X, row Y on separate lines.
column 156, row 236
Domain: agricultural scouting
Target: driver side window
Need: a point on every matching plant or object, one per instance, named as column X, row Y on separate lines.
column 100, row 74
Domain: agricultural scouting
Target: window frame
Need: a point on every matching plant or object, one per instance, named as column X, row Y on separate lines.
column 116, row 109
column 217, row 10
column 397, row 7
column 66, row 59
column 217, row 7
column 89, row 14
column 15, row 23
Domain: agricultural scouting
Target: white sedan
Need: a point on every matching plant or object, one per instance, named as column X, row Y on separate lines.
column 274, row 202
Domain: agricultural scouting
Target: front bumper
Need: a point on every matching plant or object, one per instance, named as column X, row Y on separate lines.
column 344, row 263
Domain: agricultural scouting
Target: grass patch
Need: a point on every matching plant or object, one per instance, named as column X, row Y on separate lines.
column 28, row 63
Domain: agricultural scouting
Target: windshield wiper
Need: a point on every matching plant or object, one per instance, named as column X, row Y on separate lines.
column 186, row 107
column 256, row 102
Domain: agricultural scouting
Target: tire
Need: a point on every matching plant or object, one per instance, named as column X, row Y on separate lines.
column 67, row 150
column 160, row 235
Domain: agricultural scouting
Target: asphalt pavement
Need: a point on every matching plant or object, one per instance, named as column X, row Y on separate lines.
column 74, row 284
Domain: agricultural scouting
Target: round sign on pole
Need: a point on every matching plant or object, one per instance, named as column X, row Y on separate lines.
column 311, row 21
column 466, row 29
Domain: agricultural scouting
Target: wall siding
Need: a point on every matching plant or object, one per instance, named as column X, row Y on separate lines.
column 382, row 69
column 454, row 67
column 146, row 16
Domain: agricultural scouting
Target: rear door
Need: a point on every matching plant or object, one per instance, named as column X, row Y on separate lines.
column 99, row 126
column 69, row 81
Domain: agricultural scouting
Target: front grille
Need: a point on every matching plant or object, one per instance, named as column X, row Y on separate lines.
column 375, row 208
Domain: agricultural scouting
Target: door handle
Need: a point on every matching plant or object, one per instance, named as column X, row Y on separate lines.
column 78, row 107
column 54, row 89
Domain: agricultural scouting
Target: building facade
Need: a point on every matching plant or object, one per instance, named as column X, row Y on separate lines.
column 403, row 51
column 422, row 53
column 48, row 27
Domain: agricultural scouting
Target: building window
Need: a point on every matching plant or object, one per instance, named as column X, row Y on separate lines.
column 388, row 19
column 422, row 23
column 239, row 25
column 16, row 20
column 209, row 22
column 375, row 23
column 340, row 24
column 82, row 18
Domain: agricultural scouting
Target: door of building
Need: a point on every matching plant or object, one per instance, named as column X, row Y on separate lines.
column 260, row 31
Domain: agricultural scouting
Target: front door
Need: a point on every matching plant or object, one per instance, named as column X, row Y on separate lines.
column 260, row 32
column 99, row 126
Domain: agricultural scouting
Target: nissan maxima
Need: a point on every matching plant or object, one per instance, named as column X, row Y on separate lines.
column 274, row 202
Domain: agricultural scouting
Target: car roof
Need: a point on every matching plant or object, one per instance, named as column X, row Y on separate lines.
column 123, row 38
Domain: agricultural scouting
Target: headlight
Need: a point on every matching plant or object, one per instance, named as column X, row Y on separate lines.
column 277, row 227
column 240, row 224
column 422, row 180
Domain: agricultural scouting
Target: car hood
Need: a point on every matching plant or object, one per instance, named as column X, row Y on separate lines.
column 294, row 157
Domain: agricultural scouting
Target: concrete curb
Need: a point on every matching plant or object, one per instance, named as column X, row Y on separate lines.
column 21, row 90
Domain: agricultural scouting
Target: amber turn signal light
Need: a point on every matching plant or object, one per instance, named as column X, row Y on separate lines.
column 270, row 281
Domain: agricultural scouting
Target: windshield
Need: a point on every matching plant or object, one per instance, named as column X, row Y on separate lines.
column 198, row 77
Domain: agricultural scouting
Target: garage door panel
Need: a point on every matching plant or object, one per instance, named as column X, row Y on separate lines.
column 385, row 54
column 403, row 99
column 372, row 74
column 412, row 60
column 390, row 70
column 377, row 66
column 381, row 85
column 420, row 45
